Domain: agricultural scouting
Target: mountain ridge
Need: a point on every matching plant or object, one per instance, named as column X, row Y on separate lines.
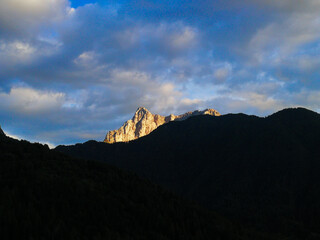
column 49, row 195
column 2, row 134
column 260, row 171
column 144, row 122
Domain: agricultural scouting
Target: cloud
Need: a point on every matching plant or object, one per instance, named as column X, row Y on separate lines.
column 19, row 17
column 184, row 39
column 71, row 74
column 290, row 5
column 222, row 72
column 15, row 52
column 147, row 91
column 29, row 101
column 277, row 41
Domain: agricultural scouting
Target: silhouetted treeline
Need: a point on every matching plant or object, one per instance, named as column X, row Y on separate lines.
column 47, row 195
column 264, row 172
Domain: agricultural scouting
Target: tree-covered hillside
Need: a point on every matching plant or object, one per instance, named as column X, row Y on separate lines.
column 263, row 172
column 47, row 195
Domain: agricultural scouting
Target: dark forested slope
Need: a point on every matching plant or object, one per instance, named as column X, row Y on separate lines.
column 262, row 171
column 47, row 195
column 2, row 134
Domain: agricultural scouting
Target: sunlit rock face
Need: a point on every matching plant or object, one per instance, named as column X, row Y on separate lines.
column 144, row 122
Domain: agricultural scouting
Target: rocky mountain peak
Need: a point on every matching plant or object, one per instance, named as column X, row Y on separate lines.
column 210, row 111
column 144, row 122
column 142, row 109
column 140, row 114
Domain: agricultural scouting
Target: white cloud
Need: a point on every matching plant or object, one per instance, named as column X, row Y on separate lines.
column 222, row 72
column 17, row 16
column 150, row 92
column 309, row 63
column 184, row 38
column 87, row 59
column 131, row 78
column 305, row 97
column 16, row 52
column 166, row 38
column 24, row 100
column 280, row 40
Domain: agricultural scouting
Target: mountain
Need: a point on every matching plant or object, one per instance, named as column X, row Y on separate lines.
column 263, row 172
column 2, row 134
column 144, row 122
column 48, row 195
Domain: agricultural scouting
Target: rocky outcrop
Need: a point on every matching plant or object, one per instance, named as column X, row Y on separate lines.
column 144, row 122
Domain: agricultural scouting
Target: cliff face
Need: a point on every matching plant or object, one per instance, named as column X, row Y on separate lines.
column 144, row 122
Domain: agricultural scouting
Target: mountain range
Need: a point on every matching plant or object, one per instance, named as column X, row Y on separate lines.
column 263, row 172
column 2, row 134
column 229, row 177
column 45, row 194
column 144, row 122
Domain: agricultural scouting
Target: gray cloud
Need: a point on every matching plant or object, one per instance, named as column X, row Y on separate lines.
column 20, row 18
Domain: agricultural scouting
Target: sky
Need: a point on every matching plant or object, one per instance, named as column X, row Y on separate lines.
column 72, row 70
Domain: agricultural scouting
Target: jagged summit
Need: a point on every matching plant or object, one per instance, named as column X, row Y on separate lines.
column 142, row 109
column 140, row 113
column 144, row 122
